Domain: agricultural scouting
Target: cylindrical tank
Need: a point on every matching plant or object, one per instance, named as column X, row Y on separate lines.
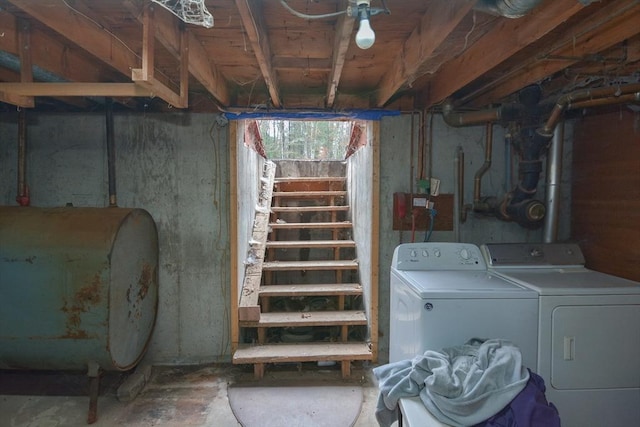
column 77, row 285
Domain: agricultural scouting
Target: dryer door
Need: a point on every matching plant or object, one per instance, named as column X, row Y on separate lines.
column 595, row 346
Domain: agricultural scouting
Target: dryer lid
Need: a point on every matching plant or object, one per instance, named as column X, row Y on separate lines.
column 461, row 284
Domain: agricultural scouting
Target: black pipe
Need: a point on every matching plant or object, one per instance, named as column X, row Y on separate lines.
column 111, row 153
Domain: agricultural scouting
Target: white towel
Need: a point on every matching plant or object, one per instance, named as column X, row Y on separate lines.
column 461, row 386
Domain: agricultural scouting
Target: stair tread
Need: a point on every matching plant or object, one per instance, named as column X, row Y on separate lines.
column 328, row 208
column 308, row 352
column 310, row 179
column 284, row 244
column 309, row 318
column 312, row 289
column 315, row 225
column 311, row 265
column 308, row 194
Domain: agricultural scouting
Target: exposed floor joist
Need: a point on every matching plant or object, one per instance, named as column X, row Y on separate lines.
column 604, row 29
column 256, row 31
column 435, row 26
column 344, row 29
column 498, row 45
column 167, row 30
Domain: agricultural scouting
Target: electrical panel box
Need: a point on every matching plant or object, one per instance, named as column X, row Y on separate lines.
column 406, row 206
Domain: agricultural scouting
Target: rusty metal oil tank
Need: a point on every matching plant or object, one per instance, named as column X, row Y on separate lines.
column 77, row 286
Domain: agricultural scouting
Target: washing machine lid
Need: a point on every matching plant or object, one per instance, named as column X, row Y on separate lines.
column 461, row 284
column 570, row 281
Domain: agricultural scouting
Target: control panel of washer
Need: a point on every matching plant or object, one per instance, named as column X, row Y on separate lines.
column 438, row 256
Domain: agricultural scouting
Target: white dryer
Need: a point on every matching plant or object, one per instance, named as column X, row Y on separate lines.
column 588, row 333
column 442, row 295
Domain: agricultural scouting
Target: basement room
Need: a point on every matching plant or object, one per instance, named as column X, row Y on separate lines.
column 268, row 213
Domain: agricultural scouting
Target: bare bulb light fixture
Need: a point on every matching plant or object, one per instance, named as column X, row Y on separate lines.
column 365, row 37
column 361, row 9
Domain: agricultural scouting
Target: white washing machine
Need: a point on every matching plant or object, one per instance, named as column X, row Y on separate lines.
column 442, row 295
column 588, row 332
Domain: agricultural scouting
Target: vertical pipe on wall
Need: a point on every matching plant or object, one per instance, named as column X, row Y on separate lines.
column 111, row 154
column 23, row 193
column 554, row 173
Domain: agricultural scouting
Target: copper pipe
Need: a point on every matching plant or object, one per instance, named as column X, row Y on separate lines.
column 477, row 187
column 605, row 101
column 612, row 92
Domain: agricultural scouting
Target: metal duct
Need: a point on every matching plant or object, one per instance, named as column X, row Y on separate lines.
column 553, row 190
column 507, row 8
column 512, row 8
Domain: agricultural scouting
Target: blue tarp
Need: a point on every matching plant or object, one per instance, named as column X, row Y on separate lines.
column 313, row 115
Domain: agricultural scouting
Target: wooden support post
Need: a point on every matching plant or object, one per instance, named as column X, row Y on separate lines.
column 145, row 76
column 258, row 370
column 346, row 368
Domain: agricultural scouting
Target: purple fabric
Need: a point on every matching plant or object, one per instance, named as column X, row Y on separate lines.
column 528, row 409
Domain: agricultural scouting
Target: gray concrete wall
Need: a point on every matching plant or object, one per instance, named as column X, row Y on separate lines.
column 173, row 165
column 250, row 169
column 359, row 176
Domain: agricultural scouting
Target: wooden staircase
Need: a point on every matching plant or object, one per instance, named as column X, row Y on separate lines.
column 309, row 302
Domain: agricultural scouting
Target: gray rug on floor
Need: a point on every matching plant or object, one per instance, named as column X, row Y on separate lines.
column 312, row 406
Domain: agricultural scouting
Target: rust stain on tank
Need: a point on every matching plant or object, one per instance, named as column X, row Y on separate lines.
column 145, row 280
column 86, row 297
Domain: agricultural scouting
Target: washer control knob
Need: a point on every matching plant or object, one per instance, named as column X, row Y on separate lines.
column 437, row 253
column 425, row 253
column 413, row 254
column 464, row 254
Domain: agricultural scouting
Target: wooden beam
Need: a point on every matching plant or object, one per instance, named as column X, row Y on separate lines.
column 256, row 30
column 298, row 63
column 508, row 37
column 26, row 64
column 609, row 26
column 167, row 30
column 439, row 20
column 47, row 53
column 344, row 29
column 145, row 76
column 82, row 31
column 75, row 89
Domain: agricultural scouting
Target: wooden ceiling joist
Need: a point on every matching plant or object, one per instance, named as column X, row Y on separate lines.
column 498, row 45
column 440, row 19
column 344, row 29
column 145, row 76
column 75, row 89
column 604, row 29
column 168, row 32
column 255, row 28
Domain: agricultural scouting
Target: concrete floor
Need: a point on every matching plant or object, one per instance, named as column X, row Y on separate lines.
column 180, row 396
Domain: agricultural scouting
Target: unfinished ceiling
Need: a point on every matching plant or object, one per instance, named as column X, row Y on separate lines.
column 68, row 54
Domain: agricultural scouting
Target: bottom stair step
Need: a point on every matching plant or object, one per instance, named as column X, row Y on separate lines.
column 275, row 353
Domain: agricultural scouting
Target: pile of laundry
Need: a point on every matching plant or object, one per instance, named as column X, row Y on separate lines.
column 479, row 383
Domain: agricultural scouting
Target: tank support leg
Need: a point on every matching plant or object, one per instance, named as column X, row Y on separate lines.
column 94, row 386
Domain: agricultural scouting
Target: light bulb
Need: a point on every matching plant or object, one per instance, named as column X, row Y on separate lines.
column 365, row 35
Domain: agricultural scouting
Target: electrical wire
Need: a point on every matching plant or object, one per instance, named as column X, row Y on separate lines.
column 305, row 16
column 432, row 217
